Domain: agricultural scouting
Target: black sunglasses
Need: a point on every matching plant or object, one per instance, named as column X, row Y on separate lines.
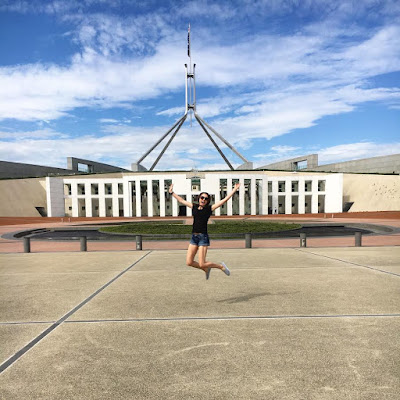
column 203, row 198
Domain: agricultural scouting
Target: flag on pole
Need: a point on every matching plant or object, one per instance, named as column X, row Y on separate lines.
column 189, row 41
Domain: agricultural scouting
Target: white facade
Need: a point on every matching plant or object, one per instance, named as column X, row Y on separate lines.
column 128, row 194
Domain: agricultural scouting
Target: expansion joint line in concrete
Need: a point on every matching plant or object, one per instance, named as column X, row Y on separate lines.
column 260, row 317
column 349, row 262
column 51, row 328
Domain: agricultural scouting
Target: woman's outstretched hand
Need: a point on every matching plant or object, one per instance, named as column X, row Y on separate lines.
column 171, row 188
column 237, row 186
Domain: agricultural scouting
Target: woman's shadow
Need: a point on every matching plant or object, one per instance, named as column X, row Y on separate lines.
column 248, row 297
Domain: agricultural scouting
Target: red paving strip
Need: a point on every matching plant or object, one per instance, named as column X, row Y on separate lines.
column 8, row 225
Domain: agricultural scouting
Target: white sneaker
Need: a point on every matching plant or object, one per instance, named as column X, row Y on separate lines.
column 226, row 269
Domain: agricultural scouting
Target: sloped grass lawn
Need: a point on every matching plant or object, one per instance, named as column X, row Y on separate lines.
column 218, row 227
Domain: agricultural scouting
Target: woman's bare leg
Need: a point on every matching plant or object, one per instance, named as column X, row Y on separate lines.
column 202, row 260
column 190, row 255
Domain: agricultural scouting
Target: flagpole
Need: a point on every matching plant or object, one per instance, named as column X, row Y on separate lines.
column 190, row 72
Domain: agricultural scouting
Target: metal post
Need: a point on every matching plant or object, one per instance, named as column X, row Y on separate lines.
column 138, row 242
column 83, row 240
column 303, row 240
column 247, row 237
column 27, row 244
column 358, row 237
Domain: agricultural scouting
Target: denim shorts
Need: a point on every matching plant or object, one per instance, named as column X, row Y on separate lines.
column 200, row 239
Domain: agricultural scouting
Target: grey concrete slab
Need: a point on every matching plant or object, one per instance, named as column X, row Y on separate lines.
column 43, row 287
column 369, row 256
column 313, row 359
column 67, row 262
column 46, row 297
column 382, row 258
column 391, row 268
column 147, row 291
column 14, row 337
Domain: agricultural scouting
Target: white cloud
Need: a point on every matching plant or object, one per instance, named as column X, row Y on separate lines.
column 108, row 121
column 37, row 134
column 353, row 151
column 328, row 155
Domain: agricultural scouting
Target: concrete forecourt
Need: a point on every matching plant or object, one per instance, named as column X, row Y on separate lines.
column 293, row 323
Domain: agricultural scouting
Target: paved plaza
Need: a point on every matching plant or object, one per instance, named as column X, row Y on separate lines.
column 289, row 323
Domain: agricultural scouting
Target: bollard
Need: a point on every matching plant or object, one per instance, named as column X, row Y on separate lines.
column 138, row 242
column 247, row 238
column 303, row 240
column 27, row 244
column 83, row 240
column 358, row 237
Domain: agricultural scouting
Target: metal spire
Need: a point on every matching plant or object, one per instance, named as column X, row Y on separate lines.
column 190, row 107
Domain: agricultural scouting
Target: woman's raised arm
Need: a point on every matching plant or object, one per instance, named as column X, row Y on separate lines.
column 225, row 199
column 179, row 198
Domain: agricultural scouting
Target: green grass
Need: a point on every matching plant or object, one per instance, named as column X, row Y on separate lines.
column 171, row 228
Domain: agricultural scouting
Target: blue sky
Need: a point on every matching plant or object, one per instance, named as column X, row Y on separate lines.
column 104, row 80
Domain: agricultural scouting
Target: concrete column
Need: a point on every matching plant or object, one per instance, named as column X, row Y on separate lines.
column 88, row 200
column 241, row 196
column 127, row 198
column 162, row 197
column 115, row 202
column 174, row 207
column 288, row 197
column 314, row 196
column 189, row 199
column 217, row 212
column 228, row 190
column 264, row 210
column 253, row 196
column 75, row 203
column 302, row 196
column 138, row 198
column 102, row 200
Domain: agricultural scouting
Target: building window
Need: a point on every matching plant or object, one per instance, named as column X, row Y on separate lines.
column 95, row 188
column 281, row 186
column 295, row 186
column 269, row 187
column 81, row 188
column 67, row 189
column 108, row 188
column 307, row 186
column 196, row 184
column 300, row 165
column 321, row 186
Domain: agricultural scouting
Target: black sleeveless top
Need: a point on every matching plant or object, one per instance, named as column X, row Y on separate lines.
column 200, row 218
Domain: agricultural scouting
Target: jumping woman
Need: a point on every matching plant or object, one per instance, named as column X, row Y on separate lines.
column 200, row 241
